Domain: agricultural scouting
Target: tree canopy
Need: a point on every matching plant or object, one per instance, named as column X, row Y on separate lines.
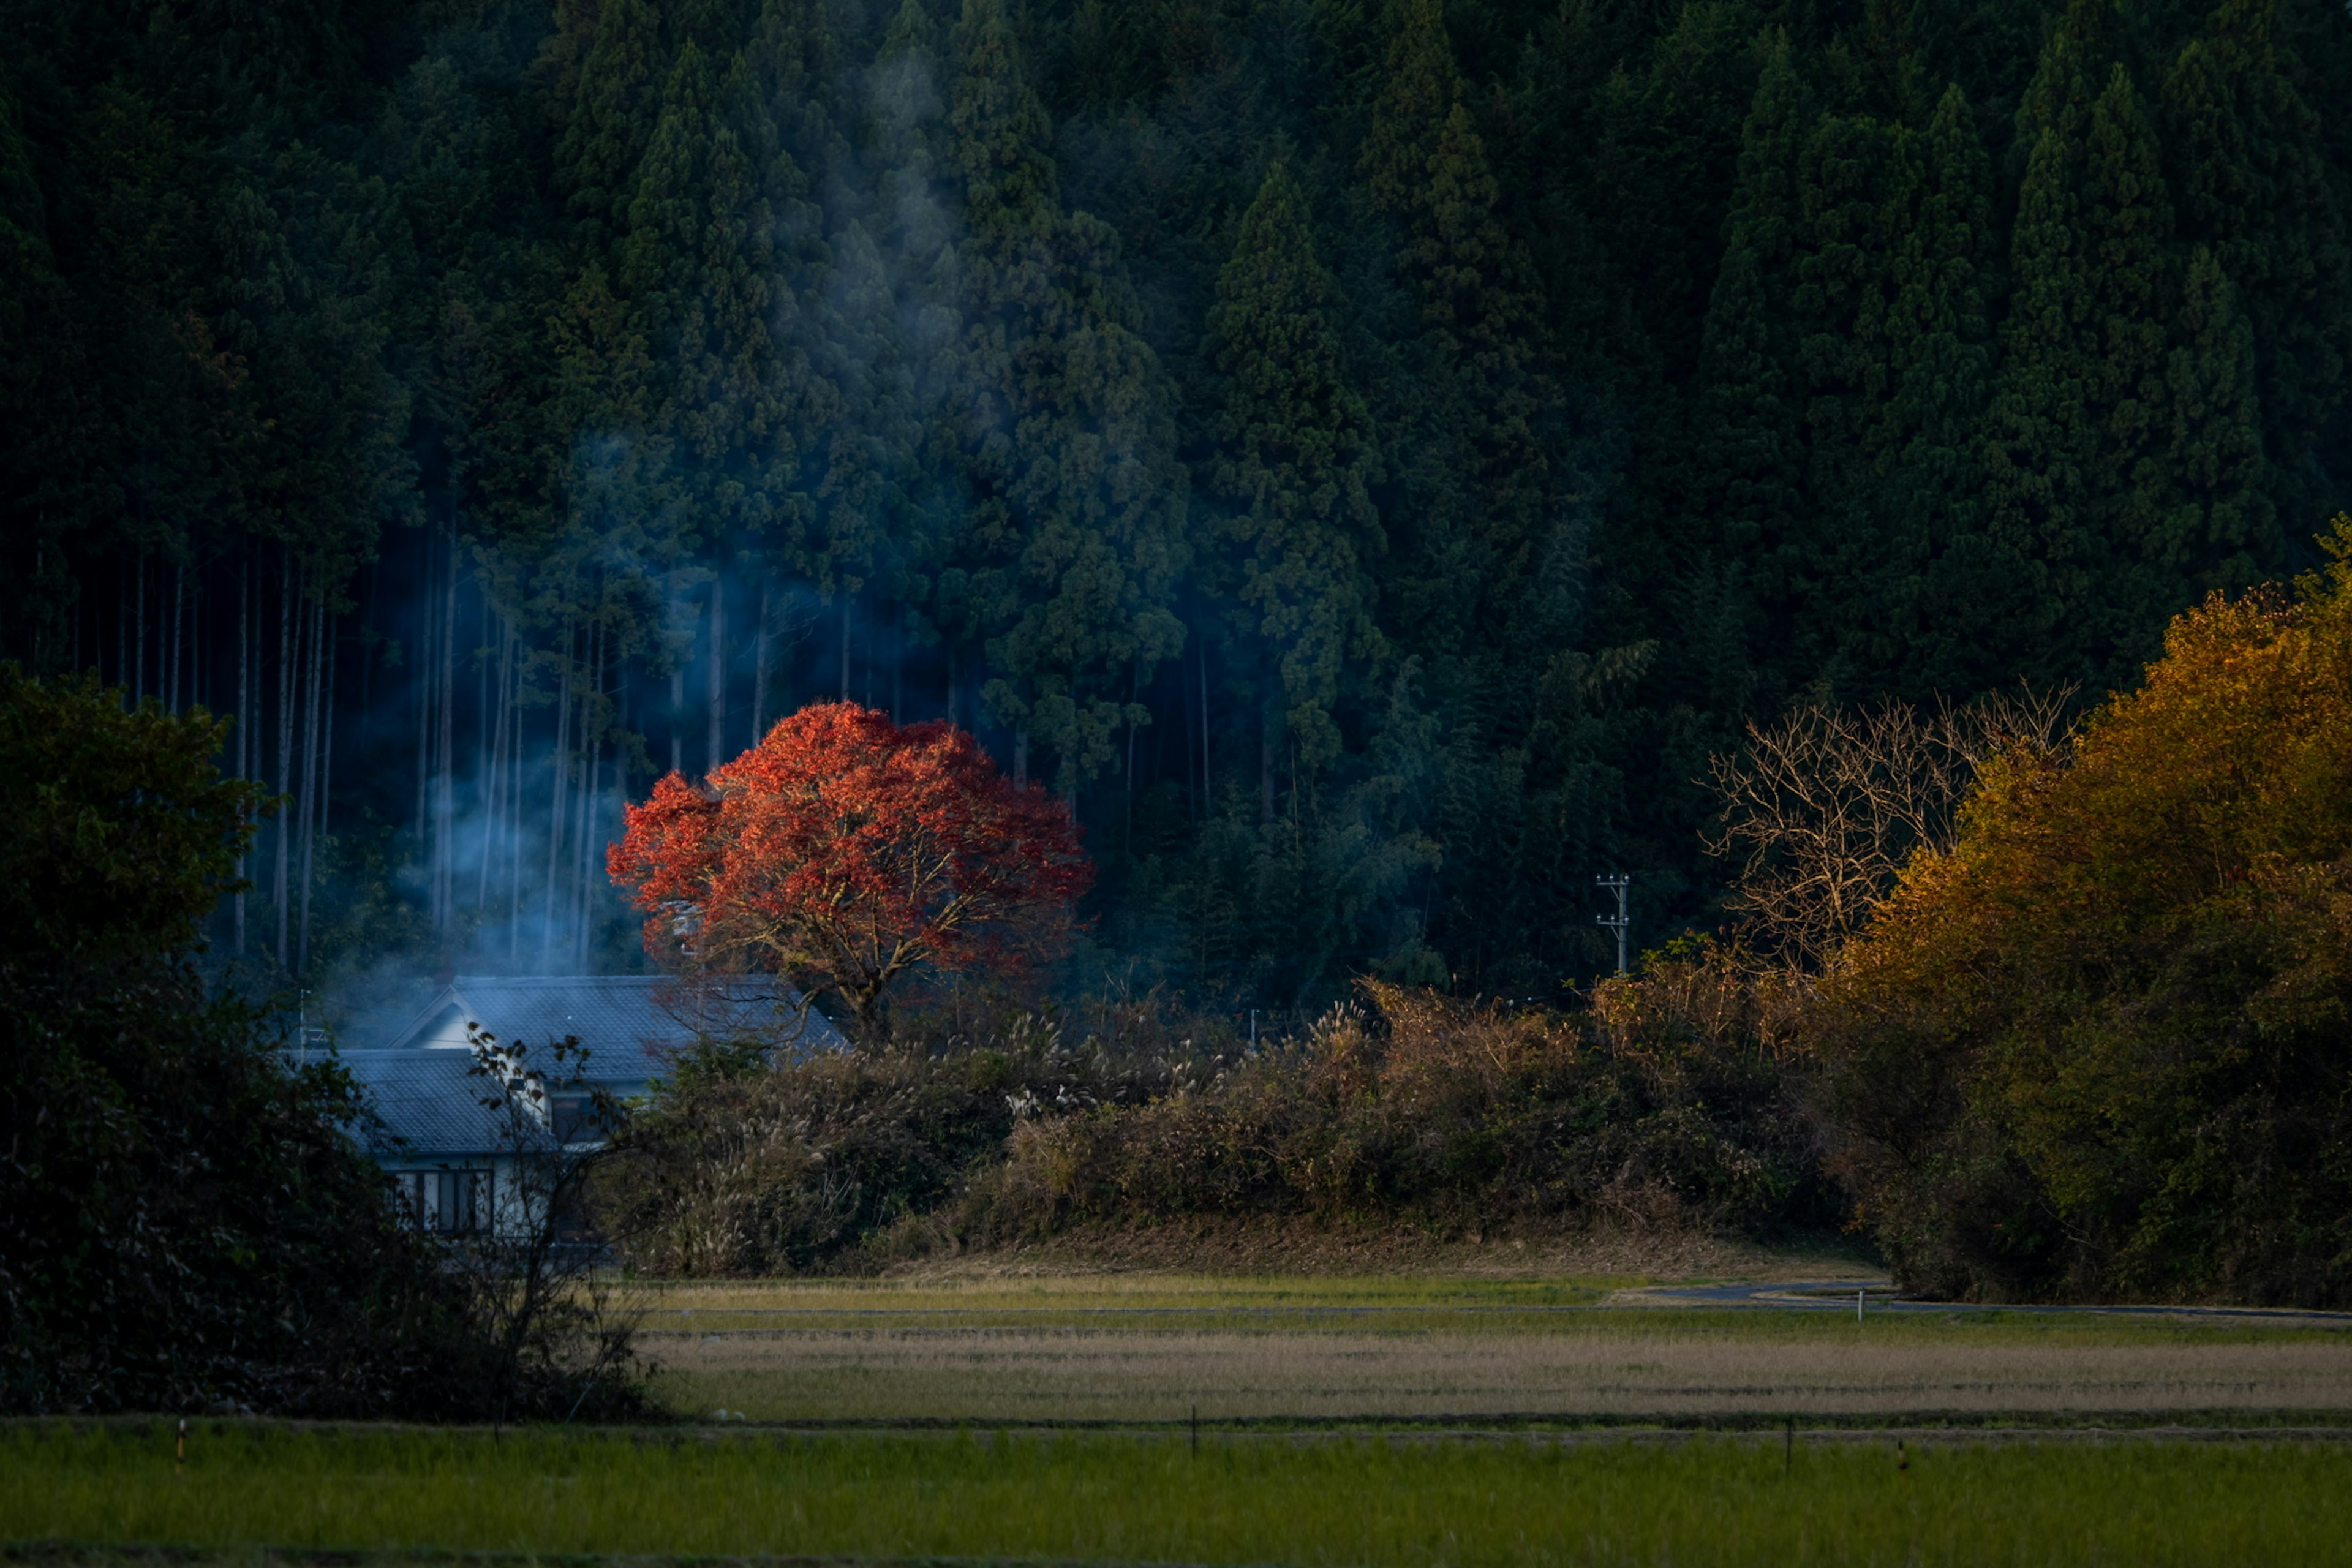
column 849, row 853
column 2094, row 1046
column 1363, row 458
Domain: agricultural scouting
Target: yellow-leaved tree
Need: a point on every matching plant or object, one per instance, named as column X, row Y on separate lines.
column 2102, row 1047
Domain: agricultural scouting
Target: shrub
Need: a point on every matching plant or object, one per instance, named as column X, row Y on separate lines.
column 1666, row 1104
column 2099, row 1049
column 738, row 1167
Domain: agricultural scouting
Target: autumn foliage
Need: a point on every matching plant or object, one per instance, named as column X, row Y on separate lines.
column 2099, row 1046
column 846, row 851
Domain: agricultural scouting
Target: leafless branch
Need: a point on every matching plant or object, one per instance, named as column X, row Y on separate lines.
column 1824, row 807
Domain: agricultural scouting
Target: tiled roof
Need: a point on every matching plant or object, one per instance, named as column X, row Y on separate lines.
column 632, row 1025
column 429, row 1106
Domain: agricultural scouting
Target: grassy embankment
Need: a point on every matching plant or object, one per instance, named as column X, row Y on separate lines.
column 1128, row 1497
column 1138, row 1348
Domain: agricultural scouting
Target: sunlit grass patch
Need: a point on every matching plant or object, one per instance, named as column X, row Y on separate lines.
column 1117, row 1497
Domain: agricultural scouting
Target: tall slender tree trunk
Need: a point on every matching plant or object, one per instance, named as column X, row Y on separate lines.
column 1192, row 747
column 318, row 613
column 426, row 643
column 560, row 766
column 592, row 729
column 1134, row 692
column 677, row 717
column 718, row 678
column 287, row 597
column 139, row 679
column 760, row 669
column 1019, row 759
column 179, row 620
column 494, row 758
column 954, row 678
column 514, row 796
column 486, row 810
column 247, row 751
column 845, row 647
column 444, row 786
column 1265, row 763
column 1207, row 787
column 326, row 754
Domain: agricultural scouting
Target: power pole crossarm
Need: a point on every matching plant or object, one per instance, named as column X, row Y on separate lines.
column 1619, row 922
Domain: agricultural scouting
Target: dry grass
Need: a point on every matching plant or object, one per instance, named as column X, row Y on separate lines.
column 1149, row 1348
column 1208, row 1245
column 1080, row 1374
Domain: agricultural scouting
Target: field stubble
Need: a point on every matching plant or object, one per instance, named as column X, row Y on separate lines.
column 1157, row 1348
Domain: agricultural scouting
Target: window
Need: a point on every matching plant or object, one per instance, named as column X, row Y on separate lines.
column 446, row 1202
column 574, row 1118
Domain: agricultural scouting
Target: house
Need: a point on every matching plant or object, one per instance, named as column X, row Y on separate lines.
column 465, row 1167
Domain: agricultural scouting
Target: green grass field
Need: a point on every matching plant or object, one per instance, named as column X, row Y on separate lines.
column 1123, row 1496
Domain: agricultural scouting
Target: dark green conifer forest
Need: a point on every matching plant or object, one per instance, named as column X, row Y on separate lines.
column 1366, row 455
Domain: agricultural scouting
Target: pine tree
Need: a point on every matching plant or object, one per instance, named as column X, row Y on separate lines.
column 2255, row 185
column 1077, row 531
column 2078, row 473
column 699, row 259
column 1841, row 545
column 2222, row 528
column 1296, row 456
column 1948, row 588
column 1746, row 488
column 1486, row 438
column 607, row 59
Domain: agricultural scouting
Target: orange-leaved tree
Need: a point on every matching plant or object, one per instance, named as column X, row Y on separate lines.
column 2097, row 1046
column 844, row 851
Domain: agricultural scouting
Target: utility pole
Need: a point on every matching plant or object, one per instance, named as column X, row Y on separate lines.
column 1621, row 921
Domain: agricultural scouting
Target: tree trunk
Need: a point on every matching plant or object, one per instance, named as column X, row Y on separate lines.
column 559, row 766
column 1019, row 759
column 444, row 786
column 139, row 679
column 717, row 694
column 677, row 717
column 1208, row 788
column 760, row 669
column 309, row 785
column 179, row 626
column 845, row 647
column 287, row 596
column 1265, row 761
column 592, row 729
column 247, row 751
column 424, row 677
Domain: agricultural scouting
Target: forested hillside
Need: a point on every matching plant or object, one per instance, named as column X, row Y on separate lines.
column 1367, row 456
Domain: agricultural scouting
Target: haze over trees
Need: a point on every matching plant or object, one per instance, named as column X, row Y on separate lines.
column 1365, row 459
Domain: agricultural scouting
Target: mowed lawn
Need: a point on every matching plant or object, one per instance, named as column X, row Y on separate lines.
column 1142, row 1349
column 1153, row 1497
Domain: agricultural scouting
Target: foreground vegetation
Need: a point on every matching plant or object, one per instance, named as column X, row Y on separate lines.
column 186, row 1219
column 1125, row 1497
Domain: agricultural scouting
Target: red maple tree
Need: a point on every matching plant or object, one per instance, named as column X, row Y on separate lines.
column 843, row 851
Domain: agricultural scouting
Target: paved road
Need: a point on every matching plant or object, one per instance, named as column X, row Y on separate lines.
column 1879, row 1296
